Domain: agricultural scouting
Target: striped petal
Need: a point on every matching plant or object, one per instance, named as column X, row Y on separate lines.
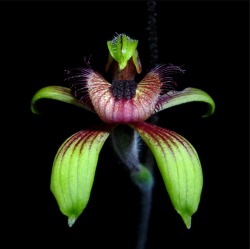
column 74, row 170
column 187, row 95
column 63, row 94
column 179, row 165
column 112, row 110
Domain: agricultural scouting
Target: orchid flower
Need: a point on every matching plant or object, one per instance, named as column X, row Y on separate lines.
column 124, row 107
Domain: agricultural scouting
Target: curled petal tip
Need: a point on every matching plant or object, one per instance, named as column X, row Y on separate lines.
column 186, row 96
column 33, row 108
column 58, row 93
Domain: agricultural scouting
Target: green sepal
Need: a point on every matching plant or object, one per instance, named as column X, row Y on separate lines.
column 59, row 93
column 74, row 169
column 187, row 95
column 110, row 59
column 137, row 62
column 122, row 48
column 179, row 165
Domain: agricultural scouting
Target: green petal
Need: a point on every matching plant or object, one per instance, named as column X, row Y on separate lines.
column 60, row 93
column 187, row 95
column 179, row 165
column 137, row 62
column 122, row 49
column 74, row 170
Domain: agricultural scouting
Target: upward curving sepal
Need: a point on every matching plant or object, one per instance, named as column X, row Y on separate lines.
column 189, row 94
column 179, row 165
column 74, row 170
column 60, row 93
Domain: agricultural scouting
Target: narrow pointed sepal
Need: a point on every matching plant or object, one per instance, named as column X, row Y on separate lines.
column 179, row 165
column 74, row 169
column 59, row 93
column 189, row 94
column 137, row 62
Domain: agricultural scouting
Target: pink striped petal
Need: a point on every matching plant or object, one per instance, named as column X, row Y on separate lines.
column 112, row 110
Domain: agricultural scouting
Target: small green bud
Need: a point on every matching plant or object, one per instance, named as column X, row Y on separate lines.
column 142, row 178
column 122, row 48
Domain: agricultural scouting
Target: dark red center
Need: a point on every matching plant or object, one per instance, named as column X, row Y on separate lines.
column 123, row 89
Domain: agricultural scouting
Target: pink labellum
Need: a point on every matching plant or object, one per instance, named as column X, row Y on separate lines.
column 113, row 110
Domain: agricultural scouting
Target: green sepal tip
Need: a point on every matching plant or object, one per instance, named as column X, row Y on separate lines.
column 122, row 48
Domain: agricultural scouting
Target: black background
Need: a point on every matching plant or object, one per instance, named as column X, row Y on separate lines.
column 39, row 40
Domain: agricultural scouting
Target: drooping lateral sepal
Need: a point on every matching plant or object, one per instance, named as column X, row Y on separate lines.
column 187, row 95
column 179, row 165
column 74, row 169
column 59, row 93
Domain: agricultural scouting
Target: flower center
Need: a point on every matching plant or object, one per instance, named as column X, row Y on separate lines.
column 123, row 89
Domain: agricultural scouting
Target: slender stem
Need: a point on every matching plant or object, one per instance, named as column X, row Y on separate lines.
column 125, row 144
column 146, row 193
column 146, row 190
column 152, row 32
column 146, row 198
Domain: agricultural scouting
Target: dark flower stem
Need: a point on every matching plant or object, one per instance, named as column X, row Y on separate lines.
column 126, row 145
column 152, row 33
column 146, row 193
column 146, row 198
